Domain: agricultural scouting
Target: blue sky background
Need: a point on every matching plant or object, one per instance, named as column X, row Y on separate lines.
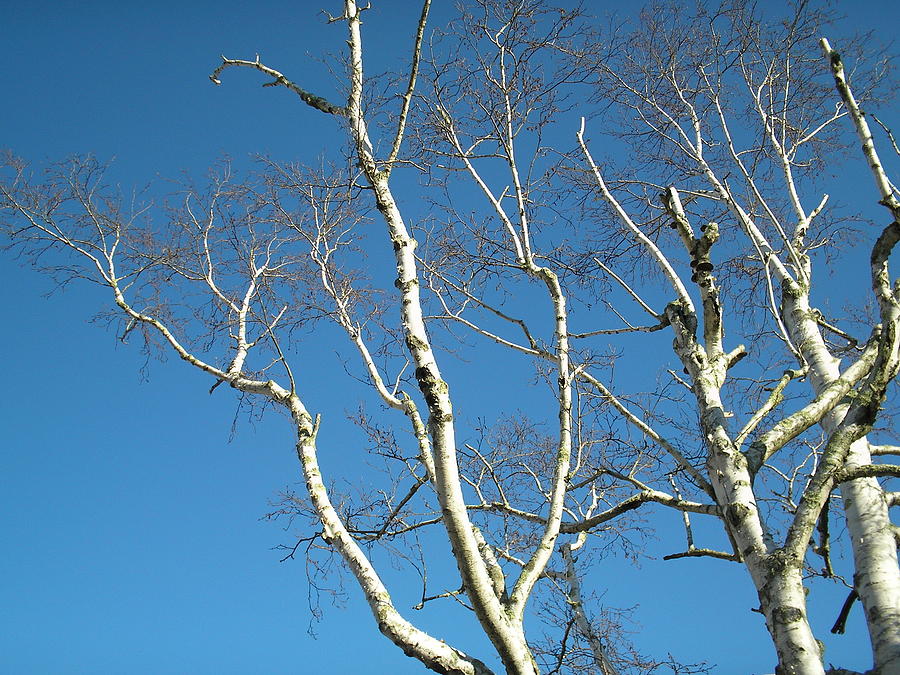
column 132, row 539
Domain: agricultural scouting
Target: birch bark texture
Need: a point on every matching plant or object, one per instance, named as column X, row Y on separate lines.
column 697, row 211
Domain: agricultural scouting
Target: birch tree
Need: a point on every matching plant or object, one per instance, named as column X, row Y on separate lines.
column 532, row 245
column 737, row 112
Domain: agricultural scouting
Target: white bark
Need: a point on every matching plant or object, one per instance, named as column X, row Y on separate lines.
column 505, row 632
column 433, row 653
column 777, row 577
column 783, row 601
column 877, row 576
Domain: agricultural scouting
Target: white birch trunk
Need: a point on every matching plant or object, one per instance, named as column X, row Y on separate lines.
column 505, row 632
column 776, row 576
column 877, row 577
column 783, row 600
column 435, row 654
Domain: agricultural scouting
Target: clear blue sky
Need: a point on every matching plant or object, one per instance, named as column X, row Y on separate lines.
column 132, row 540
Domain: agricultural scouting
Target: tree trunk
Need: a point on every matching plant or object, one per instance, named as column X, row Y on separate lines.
column 776, row 576
column 783, row 601
column 877, row 578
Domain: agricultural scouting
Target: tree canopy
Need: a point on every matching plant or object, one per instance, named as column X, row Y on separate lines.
column 584, row 280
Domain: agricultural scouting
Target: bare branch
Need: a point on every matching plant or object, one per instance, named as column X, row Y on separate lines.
column 309, row 99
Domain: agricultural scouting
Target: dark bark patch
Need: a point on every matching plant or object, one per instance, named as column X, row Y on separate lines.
column 786, row 614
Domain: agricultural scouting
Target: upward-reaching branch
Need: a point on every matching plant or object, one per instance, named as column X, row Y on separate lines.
column 410, row 88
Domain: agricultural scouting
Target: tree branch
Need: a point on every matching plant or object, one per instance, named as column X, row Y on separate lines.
column 308, row 98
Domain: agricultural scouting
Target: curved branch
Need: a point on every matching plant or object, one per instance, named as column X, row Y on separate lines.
column 278, row 79
column 633, row 502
